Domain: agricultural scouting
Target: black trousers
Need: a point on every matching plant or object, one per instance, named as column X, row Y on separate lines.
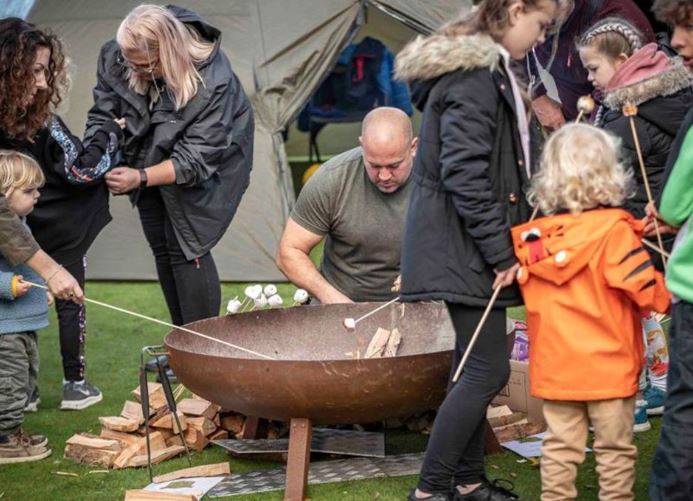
column 191, row 288
column 455, row 451
column 72, row 326
column 672, row 464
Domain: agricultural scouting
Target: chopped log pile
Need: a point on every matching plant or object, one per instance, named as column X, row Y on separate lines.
column 384, row 343
column 509, row 425
column 122, row 442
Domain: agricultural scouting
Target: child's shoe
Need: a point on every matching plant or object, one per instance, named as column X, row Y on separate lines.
column 655, row 400
column 22, row 448
column 78, row 395
column 641, row 423
column 434, row 497
column 33, row 403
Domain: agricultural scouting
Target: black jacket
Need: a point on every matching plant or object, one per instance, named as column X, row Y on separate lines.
column 209, row 141
column 73, row 206
column 469, row 176
column 663, row 101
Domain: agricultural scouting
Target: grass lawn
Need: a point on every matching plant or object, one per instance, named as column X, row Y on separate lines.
column 113, row 350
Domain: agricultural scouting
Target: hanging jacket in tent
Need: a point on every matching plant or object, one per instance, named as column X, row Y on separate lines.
column 361, row 80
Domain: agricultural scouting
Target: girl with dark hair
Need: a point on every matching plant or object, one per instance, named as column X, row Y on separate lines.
column 73, row 207
column 469, row 178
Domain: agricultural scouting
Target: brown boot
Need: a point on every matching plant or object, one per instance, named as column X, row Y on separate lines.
column 22, row 448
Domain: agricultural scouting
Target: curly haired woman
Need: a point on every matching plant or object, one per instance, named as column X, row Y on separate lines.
column 73, row 207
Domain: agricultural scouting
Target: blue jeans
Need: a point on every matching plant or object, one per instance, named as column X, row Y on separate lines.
column 672, row 464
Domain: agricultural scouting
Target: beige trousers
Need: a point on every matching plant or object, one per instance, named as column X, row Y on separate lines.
column 564, row 447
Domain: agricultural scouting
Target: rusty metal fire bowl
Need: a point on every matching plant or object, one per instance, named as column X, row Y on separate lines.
column 318, row 373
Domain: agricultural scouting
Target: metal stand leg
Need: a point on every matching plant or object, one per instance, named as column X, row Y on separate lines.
column 299, row 459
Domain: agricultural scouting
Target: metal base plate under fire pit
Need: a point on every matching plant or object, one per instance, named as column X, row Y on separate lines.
column 321, row 472
column 325, row 440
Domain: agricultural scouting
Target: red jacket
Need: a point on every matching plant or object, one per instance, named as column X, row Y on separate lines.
column 585, row 280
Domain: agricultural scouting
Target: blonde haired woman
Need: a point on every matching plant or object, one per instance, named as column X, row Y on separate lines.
column 188, row 144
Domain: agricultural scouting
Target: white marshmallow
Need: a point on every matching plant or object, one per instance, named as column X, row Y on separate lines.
column 233, row 306
column 270, row 290
column 300, row 296
column 275, row 300
column 261, row 302
column 349, row 324
column 253, row 291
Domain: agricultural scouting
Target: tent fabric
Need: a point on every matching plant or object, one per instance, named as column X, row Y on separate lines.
column 281, row 51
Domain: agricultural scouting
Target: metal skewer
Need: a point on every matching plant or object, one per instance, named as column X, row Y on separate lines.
column 155, row 320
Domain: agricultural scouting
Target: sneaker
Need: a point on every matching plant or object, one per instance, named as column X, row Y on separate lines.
column 33, row 403
column 655, row 400
column 490, row 491
column 432, row 497
column 641, row 423
column 22, row 448
column 78, row 395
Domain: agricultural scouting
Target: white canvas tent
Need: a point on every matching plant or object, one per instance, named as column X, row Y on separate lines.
column 281, row 51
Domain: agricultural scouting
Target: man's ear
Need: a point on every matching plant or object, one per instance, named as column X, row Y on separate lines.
column 361, row 141
column 414, row 146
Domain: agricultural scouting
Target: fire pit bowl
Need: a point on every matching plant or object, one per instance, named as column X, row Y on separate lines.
column 319, row 372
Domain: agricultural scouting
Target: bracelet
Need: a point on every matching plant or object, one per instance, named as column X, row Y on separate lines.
column 143, row 179
column 60, row 267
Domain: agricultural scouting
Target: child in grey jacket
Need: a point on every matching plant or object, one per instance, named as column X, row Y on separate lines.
column 23, row 309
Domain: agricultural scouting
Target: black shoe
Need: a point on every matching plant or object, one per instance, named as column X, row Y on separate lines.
column 490, row 491
column 433, row 497
column 169, row 375
column 151, row 366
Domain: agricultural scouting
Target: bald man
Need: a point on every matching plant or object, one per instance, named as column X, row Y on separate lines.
column 357, row 201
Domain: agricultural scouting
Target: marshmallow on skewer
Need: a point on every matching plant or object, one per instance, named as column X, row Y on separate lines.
column 349, row 324
column 275, row 300
column 233, row 306
column 300, row 296
column 585, row 104
column 261, row 302
column 270, row 290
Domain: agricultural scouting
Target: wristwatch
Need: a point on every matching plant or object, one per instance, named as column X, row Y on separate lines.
column 143, row 179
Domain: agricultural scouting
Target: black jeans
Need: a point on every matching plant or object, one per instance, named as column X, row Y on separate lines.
column 455, row 452
column 672, row 464
column 191, row 288
column 72, row 325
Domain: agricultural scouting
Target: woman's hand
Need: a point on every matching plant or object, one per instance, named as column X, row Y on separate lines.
column 64, row 286
column 122, row 180
column 548, row 113
column 120, row 121
column 506, row 277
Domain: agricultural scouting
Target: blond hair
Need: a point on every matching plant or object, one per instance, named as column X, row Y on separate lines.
column 579, row 170
column 18, row 170
column 177, row 49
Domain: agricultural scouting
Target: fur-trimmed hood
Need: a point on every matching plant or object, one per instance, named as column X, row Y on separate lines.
column 425, row 59
column 674, row 79
column 429, row 57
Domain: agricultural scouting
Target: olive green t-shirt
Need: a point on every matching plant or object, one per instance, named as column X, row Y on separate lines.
column 363, row 226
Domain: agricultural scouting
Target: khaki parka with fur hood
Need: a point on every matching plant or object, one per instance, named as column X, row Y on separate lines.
column 469, row 175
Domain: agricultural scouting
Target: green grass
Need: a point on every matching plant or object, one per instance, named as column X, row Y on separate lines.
column 113, row 349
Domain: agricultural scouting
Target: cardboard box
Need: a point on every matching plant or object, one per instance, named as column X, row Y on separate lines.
column 516, row 393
